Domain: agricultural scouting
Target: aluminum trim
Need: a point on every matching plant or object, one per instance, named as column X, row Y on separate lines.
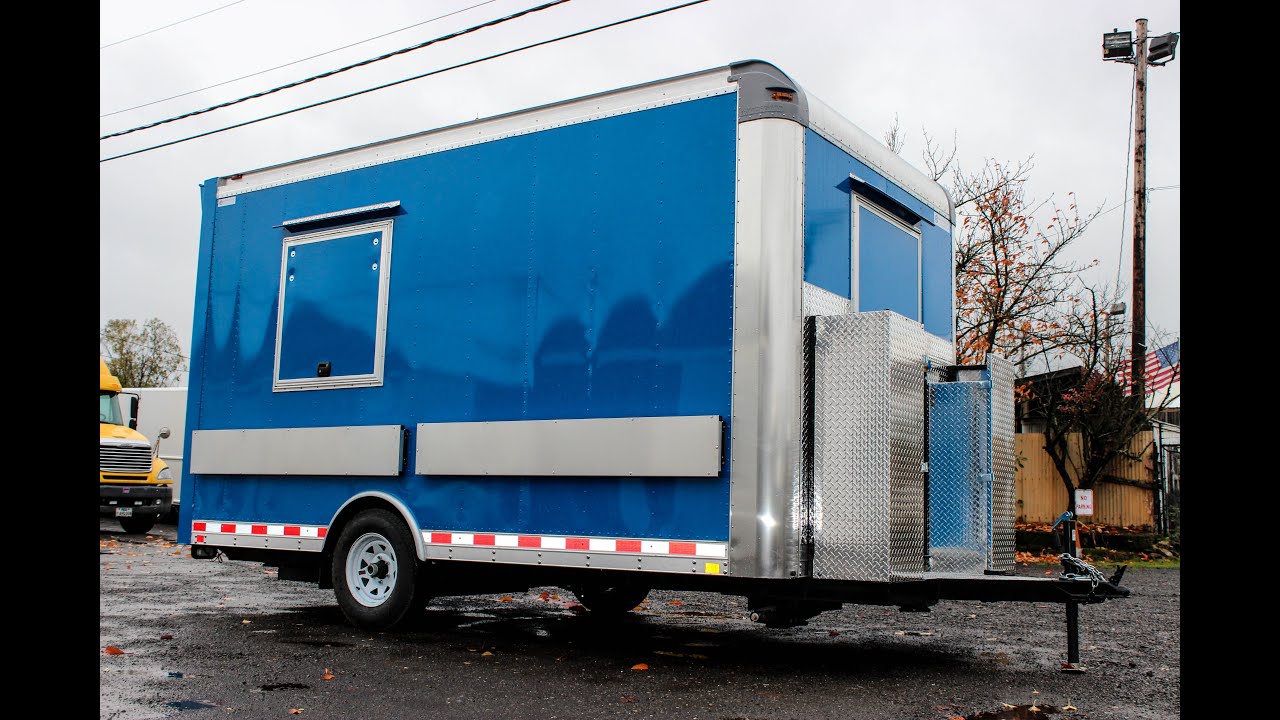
column 694, row 86
column 331, row 451
column 765, row 465
column 418, row 546
column 266, row 542
column 820, row 301
column 342, row 213
column 561, row 558
column 1003, row 463
column 672, row 446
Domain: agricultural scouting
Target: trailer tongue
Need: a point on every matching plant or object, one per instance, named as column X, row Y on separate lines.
column 696, row 333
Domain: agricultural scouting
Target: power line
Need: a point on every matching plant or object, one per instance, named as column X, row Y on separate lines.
column 295, row 62
column 1126, row 202
column 1127, row 152
column 405, row 80
column 331, row 73
column 193, row 17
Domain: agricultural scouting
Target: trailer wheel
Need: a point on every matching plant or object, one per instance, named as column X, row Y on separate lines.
column 375, row 570
column 610, row 600
column 137, row 525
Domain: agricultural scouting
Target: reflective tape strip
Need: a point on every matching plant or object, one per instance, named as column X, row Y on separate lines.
column 685, row 548
column 234, row 528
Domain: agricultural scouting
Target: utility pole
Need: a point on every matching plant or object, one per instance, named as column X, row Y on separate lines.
column 1117, row 46
column 1138, row 356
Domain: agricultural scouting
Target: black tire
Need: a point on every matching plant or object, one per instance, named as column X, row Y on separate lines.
column 137, row 525
column 374, row 602
column 610, row 600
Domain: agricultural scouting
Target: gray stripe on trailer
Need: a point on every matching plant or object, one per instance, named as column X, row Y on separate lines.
column 673, row 446
column 344, row 450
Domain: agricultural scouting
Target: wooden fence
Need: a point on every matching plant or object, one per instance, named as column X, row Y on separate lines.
column 1041, row 496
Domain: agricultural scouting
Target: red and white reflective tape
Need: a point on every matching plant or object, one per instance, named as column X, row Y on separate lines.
column 677, row 548
column 213, row 527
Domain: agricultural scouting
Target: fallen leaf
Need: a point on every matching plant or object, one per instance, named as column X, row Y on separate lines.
column 486, row 653
column 638, row 608
column 544, row 596
column 626, row 699
column 833, row 633
column 1069, row 707
column 505, row 599
column 295, row 711
column 640, row 666
column 113, row 650
column 167, row 636
column 245, row 622
column 327, row 675
column 1007, row 706
column 675, row 602
column 1048, row 572
column 555, row 597
column 176, row 552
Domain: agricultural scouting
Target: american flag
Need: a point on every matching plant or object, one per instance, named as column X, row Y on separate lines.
column 1163, row 368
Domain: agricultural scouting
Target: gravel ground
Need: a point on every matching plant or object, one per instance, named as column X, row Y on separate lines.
column 206, row 639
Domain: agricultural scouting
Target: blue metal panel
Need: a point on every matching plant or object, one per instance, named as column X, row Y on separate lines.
column 199, row 325
column 330, row 306
column 888, row 266
column 828, row 233
column 827, row 229
column 578, row 272
column 937, row 269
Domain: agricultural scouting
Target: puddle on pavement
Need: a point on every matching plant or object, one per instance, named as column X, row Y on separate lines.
column 284, row 686
column 1016, row 712
column 189, row 705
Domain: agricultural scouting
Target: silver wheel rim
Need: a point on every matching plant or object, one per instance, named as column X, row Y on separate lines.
column 371, row 569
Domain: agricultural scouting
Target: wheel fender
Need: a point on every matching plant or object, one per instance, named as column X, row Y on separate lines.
column 420, row 548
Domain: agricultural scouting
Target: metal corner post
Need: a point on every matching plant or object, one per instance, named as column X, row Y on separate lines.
column 765, row 464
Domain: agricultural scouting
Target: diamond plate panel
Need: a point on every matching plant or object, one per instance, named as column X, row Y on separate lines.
column 959, row 477
column 868, row 446
column 817, row 301
column 1002, row 463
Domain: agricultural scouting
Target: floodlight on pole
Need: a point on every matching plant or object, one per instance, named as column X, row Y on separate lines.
column 1163, row 47
column 1117, row 45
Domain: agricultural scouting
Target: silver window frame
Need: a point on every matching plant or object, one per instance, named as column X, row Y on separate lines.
column 859, row 201
column 373, row 379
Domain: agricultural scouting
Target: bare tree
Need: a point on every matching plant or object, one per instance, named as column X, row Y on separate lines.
column 1011, row 272
column 150, row 356
column 894, row 137
column 1093, row 402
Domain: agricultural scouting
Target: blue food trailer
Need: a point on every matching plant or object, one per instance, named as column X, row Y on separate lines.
column 695, row 333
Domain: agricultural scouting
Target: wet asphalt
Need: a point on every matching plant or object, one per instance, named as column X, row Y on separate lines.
column 207, row 639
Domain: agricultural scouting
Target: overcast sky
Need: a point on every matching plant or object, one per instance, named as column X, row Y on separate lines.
column 1009, row 79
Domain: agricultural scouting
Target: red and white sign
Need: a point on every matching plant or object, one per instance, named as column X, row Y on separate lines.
column 1084, row 502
